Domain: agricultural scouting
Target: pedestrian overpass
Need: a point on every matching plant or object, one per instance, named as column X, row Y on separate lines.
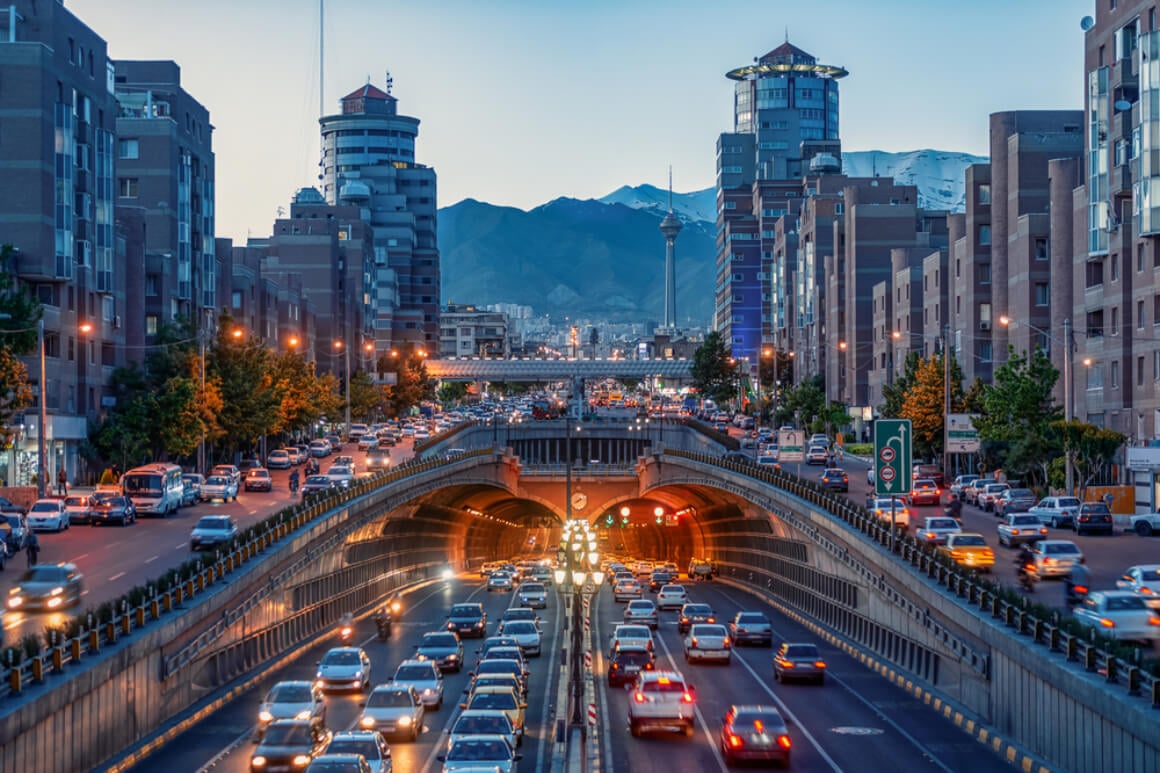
column 563, row 369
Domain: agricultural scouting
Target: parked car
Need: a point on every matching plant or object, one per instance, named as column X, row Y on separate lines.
column 229, row 471
column 1143, row 579
column 1016, row 500
column 48, row 515
column 219, row 487
column 79, row 508
column 258, row 479
column 1094, row 517
column 934, row 531
column 194, row 480
column 1120, row 614
column 754, row 732
column 795, row 661
column 16, row 531
column 118, row 510
column 1056, row 511
column 1020, row 529
column 961, row 482
column 1055, row 557
column 212, row 531
column 971, row 490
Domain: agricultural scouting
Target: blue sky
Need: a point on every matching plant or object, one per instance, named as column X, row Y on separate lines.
column 522, row 101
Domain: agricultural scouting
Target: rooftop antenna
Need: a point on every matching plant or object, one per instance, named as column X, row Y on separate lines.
column 321, row 59
column 787, row 33
column 670, row 187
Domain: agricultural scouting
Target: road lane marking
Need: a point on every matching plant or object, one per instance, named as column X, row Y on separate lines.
column 551, row 678
column 601, row 695
column 151, row 560
column 697, row 710
column 116, row 576
column 180, row 545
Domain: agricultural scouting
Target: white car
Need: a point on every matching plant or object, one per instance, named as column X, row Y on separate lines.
column 1119, row 614
column 934, row 531
column 424, row 676
column 1055, row 557
column 219, row 487
column 706, row 641
column 367, row 442
column 279, row 460
column 816, row 455
column 1056, row 511
column 881, row 508
column 48, row 515
column 291, row 700
column 526, row 634
column 641, row 611
column 344, row 668
column 672, row 597
column 1143, row 579
column 341, row 475
column 630, row 635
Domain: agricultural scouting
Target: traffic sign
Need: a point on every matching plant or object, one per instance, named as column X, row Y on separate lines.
column 962, row 437
column 791, row 445
column 892, row 457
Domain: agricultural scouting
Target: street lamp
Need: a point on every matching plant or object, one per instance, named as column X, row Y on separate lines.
column 342, row 347
column 42, row 430
column 764, row 353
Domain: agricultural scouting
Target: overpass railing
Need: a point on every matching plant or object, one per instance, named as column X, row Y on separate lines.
column 1120, row 664
column 36, row 657
column 625, row 470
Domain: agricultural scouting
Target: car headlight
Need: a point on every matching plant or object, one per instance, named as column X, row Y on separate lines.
column 258, row 762
column 301, row 760
column 428, row 691
column 15, row 601
column 404, row 721
column 367, row 722
column 453, row 656
column 266, row 716
column 304, row 714
column 358, row 674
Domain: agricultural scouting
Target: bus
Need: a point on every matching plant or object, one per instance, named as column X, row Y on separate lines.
column 155, row 489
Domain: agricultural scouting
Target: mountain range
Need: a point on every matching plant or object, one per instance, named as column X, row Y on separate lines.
column 604, row 258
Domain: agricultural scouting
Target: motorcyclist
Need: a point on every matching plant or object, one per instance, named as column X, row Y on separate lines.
column 954, row 508
column 312, row 467
column 1024, row 559
column 1078, row 582
column 383, row 623
column 346, row 628
column 294, row 481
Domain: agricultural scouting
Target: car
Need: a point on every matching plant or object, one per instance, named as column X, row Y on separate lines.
column 930, row 472
column 627, row 590
column 1143, row 579
column 79, row 508
column 971, row 490
column 120, row 510
column 340, row 763
column 316, row 484
column 499, row 698
column 291, row 700
column 443, row 648
column 394, row 710
column 487, row 567
column 961, row 482
column 820, row 439
column 641, row 611
column 817, row 455
column 672, row 597
column 367, row 442
column 47, row 586
column 190, row 492
column 657, row 579
column 479, row 753
column 630, row 635
column 835, row 479
column 751, row 628
column 228, row 471
column 1015, row 500
column 341, row 475
column 344, row 668
column 15, row 529
column 755, row 733
column 320, row 449
column 701, row 569
column 369, row 744
column 424, row 676
column 870, row 476
column 1146, row 524
column 496, row 642
column 642, row 568
column 335, row 442
column 1056, row 511
column 519, row 613
column 213, row 531
column 279, row 460
column 468, row 619
column 934, row 531
column 219, row 487
column 290, row 744
column 887, row 509
column 924, row 491
column 708, row 641
column 799, row 662
column 1019, row 529
column 533, row 595
column 193, row 480
column 500, row 581
column 661, row 700
column 345, row 461
column 483, row 722
column 526, row 634
column 258, row 479
column 691, row 614
column 500, row 662
column 1093, row 517
column 627, row 661
column 542, row 574
column 989, row 495
column 48, row 515
column 768, row 460
column 1055, row 557
column 969, row 550
column 1120, row 614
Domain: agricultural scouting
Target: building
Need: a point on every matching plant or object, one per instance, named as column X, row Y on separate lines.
column 369, row 161
column 785, row 113
column 57, row 204
column 469, row 331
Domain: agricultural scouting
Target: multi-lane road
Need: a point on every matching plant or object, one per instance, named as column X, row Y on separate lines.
column 113, row 560
column 856, row 721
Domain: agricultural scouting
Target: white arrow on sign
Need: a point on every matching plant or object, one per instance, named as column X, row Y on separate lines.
column 900, row 439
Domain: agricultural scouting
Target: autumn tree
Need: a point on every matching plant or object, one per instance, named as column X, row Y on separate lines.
column 19, row 314
column 242, row 367
column 923, row 404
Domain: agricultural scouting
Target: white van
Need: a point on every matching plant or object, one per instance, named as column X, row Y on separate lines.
column 155, row 489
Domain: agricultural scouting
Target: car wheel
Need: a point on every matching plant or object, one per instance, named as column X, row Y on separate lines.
column 821, row 679
column 687, row 730
column 777, row 677
column 1144, row 529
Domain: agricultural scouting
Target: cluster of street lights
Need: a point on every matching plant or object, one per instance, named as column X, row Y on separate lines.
column 577, row 565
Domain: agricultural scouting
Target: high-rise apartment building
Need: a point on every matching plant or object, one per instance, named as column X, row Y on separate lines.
column 785, row 113
column 369, row 161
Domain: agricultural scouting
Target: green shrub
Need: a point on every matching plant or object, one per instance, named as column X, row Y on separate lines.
column 859, row 449
column 31, row 644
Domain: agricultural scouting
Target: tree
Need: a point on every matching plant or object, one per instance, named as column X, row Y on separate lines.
column 971, row 401
column 15, row 394
column 452, row 392
column 19, row 314
column 925, row 403
column 714, row 371
column 412, row 384
column 894, row 393
column 366, row 399
column 1019, row 410
column 805, row 403
column 249, row 401
column 1089, row 448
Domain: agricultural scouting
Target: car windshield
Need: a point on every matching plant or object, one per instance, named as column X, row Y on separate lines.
column 383, row 699
column 45, row 507
column 1022, row 493
column 499, row 666
column 1096, row 509
column 632, row 632
column 318, row 480
column 296, row 734
column 971, row 540
column 532, row 587
column 341, row 658
column 698, row 609
column 76, row 501
column 257, row 474
column 415, row 673
column 519, row 628
column 1025, row 520
column 216, row 480
column 464, row 611
column 141, row 484
column 709, row 630
column 13, row 521
column 1060, row 547
column 364, row 746
column 632, row 657
column 942, row 523
column 1116, row 603
column 479, row 749
column 493, row 700
column 1068, row 502
column 801, row 651
column 752, row 617
column 641, row 606
column 498, row 724
column 43, row 574
column 289, row 693
column 213, row 522
column 439, row 640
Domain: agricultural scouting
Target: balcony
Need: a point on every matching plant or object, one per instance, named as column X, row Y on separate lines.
column 1120, row 181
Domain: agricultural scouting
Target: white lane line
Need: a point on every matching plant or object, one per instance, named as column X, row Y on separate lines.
column 151, row 560
column 551, row 677
column 180, row 545
column 226, row 751
column 601, row 694
column 78, row 558
column 696, row 710
column 933, row 756
column 116, row 576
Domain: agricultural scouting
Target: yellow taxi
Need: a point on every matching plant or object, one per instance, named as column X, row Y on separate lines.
column 969, row 550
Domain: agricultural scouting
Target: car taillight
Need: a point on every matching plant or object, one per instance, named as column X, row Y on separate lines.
column 735, row 741
column 930, row 535
column 649, row 666
column 956, row 554
column 819, row 664
column 694, row 641
column 686, row 697
column 615, row 666
column 1153, row 620
column 684, row 619
column 784, row 742
column 638, row 697
column 785, row 663
column 1014, row 531
column 711, row 620
column 726, row 641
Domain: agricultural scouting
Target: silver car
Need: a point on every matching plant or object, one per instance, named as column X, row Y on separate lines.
column 219, row 487
column 46, row 514
column 442, row 648
column 534, row 595
column 394, row 710
column 480, row 752
column 291, row 700
column 424, row 676
column 47, row 586
column 708, row 641
column 483, row 722
column 641, row 611
column 344, row 668
column 525, row 633
column 799, row 661
column 212, row 531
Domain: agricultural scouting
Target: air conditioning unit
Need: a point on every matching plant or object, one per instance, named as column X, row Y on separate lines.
column 984, row 325
column 117, row 322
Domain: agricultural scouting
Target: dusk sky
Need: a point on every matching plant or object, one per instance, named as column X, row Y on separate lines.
column 522, row 101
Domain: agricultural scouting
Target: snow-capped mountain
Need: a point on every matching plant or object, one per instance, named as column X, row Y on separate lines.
column 692, row 206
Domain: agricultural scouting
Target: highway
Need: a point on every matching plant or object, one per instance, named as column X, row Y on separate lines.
column 855, row 722
column 113, row 559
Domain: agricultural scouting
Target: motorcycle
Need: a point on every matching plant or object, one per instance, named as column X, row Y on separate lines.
column 383, row 624
column 293, row 484
column 346, row 634
column 1027, row 578
column 1076, row 594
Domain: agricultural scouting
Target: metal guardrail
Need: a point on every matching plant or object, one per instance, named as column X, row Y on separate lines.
column 981, row 596
column 56, row 650
column 625, row 470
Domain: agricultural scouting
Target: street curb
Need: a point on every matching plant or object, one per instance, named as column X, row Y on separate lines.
column 947, row 709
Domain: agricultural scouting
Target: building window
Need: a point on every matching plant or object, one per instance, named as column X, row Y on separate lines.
column 839, row 208
column 984, row 196
column 1041, row 251
column 1156, row 365
column 1115, row 321
column 1094, row 273
column 128, row 149
column 1042, row 295
column 151, row 285
column 984, row 234
column 985, row 351
column 1095, row 376
column 985, row 313
column 128, row 187
column 983, row 273
column 1140, row 371
column 1115, row 374
column 958, row 268
column 150, row 324
column 1095, row 324
column 1115, row 264
column 1139, row 315
column 1139, row 257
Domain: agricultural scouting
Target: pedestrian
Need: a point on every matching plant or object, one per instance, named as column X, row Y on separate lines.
column 61, row 482
column 33, row 549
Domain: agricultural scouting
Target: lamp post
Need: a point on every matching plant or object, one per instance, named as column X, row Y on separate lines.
column 42, row 430
column 346, row 369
